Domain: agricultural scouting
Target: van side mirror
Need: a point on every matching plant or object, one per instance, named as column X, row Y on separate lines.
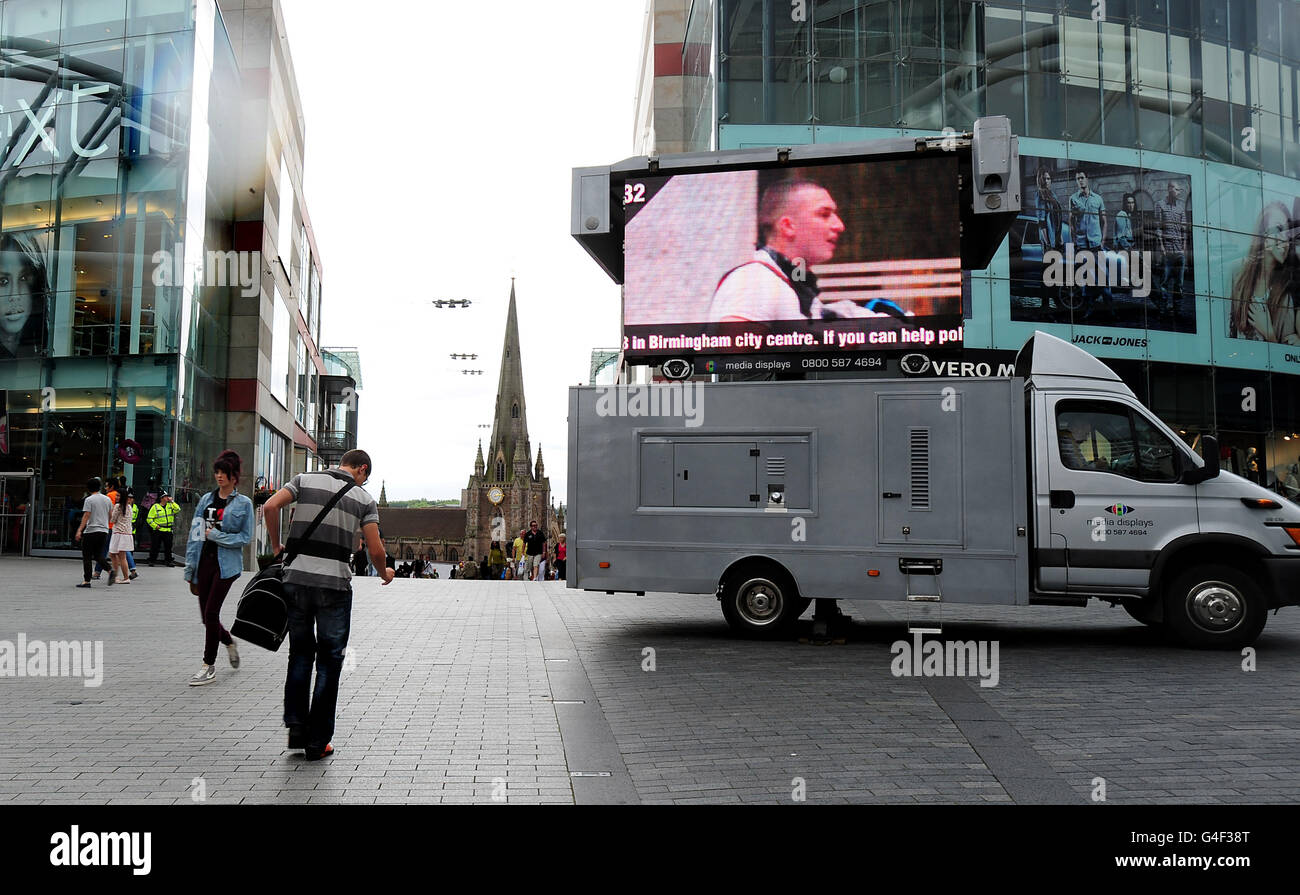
column 1210, row 453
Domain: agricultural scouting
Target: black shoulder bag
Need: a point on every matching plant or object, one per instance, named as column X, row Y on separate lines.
column 262, row 617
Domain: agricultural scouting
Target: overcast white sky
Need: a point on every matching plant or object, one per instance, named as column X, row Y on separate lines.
column 439, row 142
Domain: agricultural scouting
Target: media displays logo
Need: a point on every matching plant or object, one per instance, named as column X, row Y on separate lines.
column 1119, row 509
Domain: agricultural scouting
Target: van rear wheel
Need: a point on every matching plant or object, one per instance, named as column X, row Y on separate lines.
column 1215, row 607
column 761, row 604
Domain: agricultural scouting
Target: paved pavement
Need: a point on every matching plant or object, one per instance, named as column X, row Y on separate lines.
column 491, row 692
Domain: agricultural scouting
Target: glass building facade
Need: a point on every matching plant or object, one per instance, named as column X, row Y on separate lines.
column 116, row 181
column 1164, row 128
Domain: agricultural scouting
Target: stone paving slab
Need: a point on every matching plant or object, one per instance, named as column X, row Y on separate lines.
column 448, row 697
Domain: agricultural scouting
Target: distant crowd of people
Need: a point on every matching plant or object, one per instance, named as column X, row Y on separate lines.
column 529, row 559
column 109, row 516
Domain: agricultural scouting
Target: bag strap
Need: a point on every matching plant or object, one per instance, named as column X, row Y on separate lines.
column 289, row 552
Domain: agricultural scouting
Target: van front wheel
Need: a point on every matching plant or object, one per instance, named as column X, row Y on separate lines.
column 762, row 605
column 1215, row 606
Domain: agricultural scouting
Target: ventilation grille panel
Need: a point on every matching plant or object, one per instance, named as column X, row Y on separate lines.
column 919, row 461
column 776, row 466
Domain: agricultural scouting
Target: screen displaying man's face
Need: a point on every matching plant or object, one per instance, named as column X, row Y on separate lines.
column 810, row 226
column 729, row 261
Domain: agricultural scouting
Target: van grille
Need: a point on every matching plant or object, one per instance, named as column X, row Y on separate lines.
column 920, row 468
column 775, row 466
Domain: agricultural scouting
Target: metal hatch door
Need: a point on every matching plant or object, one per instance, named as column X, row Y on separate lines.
column 715, row 473
column 919, row 456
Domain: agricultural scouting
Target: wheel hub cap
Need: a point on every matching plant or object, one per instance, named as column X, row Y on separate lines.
column 1216, row 607
column 760, row 601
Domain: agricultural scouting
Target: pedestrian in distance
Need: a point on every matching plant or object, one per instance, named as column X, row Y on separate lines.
column 123, row 540
column 318, row 589
column 496, row 560
column 561, row 557
column 92, row 533
column 517, row 548
column 214, row 557
column 161, row 521
column 534, row 549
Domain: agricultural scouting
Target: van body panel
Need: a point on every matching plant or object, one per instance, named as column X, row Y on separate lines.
column 672, row 506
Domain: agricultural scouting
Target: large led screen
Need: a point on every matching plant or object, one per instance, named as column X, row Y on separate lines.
column 851, row 259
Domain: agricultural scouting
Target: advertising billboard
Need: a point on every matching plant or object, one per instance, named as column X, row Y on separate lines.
column 1103, row 245
column 848, row 260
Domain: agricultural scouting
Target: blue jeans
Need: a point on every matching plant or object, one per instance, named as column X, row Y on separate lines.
column 319, row 622
column 1173, row 268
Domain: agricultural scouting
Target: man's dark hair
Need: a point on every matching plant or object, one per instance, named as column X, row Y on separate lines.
column 94, row 485
column 533, row 522
column 357, row 459
column 773, row 202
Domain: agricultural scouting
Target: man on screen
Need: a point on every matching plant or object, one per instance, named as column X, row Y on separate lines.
column 798, row 226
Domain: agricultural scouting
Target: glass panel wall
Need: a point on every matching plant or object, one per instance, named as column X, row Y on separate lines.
column 104, row 139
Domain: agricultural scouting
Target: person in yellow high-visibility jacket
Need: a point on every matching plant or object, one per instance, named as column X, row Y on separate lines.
column 162, row 519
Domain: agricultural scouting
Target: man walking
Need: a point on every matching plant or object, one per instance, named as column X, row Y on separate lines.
column 535, row 547
column 162, row 519
column 318, row 589
column 94, row 526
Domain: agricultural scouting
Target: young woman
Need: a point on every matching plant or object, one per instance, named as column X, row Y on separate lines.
column 214, row 559
column 123, row 539
column 24, row 289
column 496, row 560
column 561, row 557
column 1261, row 304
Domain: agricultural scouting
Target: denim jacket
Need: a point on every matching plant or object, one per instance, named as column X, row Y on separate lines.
column 236, row 531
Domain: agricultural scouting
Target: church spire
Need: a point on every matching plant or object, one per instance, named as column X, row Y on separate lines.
column 383, row 493
column 478, row 461
column 541, row 468
column 510, row 422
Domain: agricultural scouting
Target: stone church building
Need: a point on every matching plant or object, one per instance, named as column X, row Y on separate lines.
column 507, row 490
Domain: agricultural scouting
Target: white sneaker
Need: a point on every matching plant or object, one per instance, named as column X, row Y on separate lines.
column 205, row 675
column 234, row 655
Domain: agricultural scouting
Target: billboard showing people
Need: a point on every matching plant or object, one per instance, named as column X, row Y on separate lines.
column 858, row 257
column 1103, row 244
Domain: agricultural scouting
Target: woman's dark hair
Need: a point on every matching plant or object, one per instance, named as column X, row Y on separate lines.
column 123, row 495
column 94, row 485
column 1126, row 197
column 229, row 463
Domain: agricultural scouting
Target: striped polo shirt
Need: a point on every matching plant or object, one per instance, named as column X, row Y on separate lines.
column 311, row 491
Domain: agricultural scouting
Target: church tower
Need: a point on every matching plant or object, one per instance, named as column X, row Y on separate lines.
column 507, row 491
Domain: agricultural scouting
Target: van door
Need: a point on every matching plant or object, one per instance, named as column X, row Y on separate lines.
column 920, row 470
column 1115, row 497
